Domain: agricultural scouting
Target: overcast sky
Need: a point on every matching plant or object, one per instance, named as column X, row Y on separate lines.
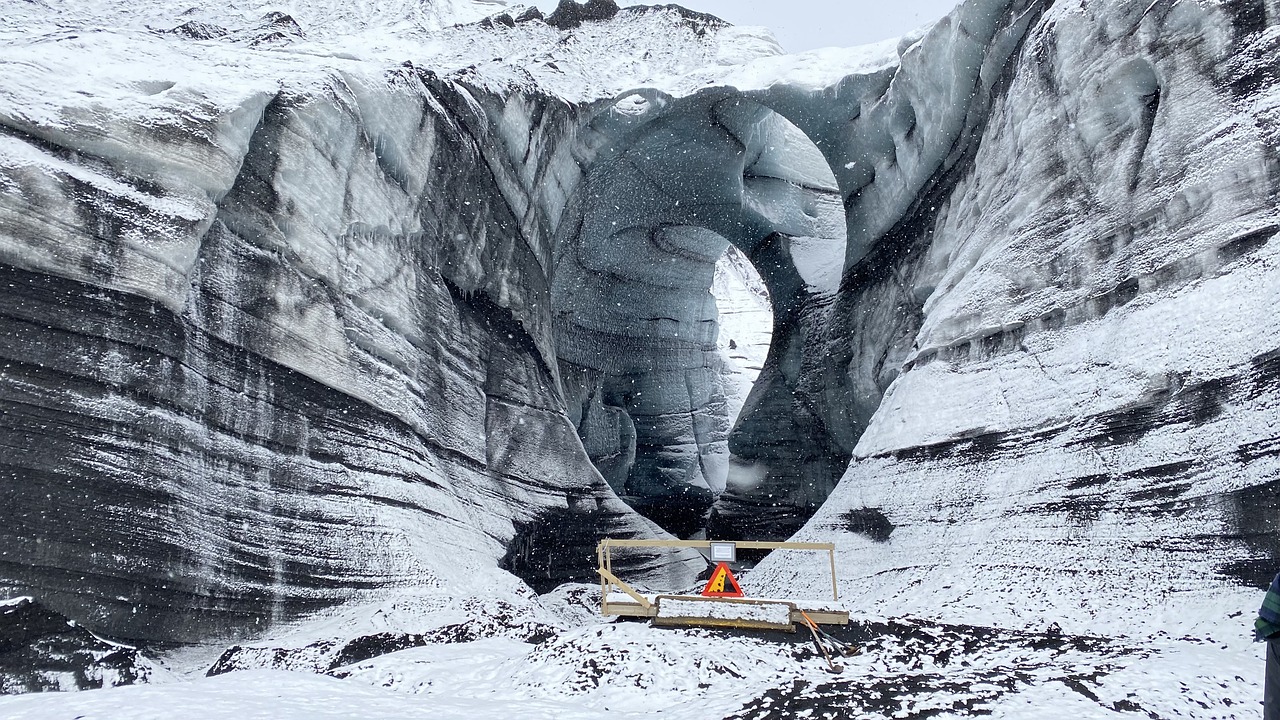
column 807, row 24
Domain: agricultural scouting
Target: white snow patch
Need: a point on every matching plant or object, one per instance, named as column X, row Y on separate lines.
column 760, row 611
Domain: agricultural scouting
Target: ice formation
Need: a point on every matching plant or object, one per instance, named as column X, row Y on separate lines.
column 302, row 308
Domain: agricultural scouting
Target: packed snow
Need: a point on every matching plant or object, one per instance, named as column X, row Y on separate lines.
column 774, row 613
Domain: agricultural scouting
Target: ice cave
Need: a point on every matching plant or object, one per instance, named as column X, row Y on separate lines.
column 672, row 185
column 336, row 334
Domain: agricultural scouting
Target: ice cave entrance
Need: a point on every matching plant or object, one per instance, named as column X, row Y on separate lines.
column 745, row 317
column 707, row 240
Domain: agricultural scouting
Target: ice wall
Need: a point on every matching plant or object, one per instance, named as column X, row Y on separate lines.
column 1084, row 428
column 271, row 348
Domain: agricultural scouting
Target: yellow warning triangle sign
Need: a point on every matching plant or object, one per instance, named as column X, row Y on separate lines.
column 722, row 583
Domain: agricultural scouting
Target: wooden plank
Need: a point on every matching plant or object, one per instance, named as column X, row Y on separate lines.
column 629, row 609
column 822, row 617
column 835, row 591
column 701, row 620
column 604, row 584
column 644, row 601
column 717, row 622
column 731, row 600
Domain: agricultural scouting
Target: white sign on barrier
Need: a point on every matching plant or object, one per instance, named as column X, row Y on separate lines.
column 724, row 552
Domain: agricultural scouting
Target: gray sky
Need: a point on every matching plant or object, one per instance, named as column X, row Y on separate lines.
column 807, row 24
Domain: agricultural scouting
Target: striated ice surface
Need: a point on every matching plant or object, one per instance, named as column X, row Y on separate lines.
column 1083, row 429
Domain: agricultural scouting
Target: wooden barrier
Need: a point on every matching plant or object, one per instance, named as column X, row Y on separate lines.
column 637, row 604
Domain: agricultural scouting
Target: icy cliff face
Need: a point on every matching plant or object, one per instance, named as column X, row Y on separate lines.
column 295, row 317
column 278, row 335
column 1086, row 423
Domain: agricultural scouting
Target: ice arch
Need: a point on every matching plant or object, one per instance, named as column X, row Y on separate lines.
column 670, row 186
column 682, row 173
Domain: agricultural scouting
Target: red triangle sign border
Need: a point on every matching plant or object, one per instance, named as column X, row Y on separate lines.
column 724, row 576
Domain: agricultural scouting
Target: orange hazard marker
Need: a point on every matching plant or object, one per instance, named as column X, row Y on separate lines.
column 721, row 580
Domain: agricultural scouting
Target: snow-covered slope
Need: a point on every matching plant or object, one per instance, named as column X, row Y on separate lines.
column 906, row 669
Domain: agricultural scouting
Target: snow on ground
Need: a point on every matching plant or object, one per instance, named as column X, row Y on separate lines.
column 584, row 666
column 271, row 694
column 906, row 669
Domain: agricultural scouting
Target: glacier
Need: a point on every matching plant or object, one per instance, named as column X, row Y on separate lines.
column 307, row 310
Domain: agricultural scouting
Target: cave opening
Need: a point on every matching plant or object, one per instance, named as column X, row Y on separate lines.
column 745, row 321
column 701, row 254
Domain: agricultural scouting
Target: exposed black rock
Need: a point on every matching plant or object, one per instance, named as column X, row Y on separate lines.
column 41, row 650
column 330, row 656
column 955, row 664
column 197, row 30
column 682, row 512
column 870, row 522
column 556, row 547
column 1257, row 511
column 569, row 14
column 500, row 19
column 699, row 22
column 532, row 13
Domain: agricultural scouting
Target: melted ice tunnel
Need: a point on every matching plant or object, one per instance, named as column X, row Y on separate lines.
column 672, row 186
